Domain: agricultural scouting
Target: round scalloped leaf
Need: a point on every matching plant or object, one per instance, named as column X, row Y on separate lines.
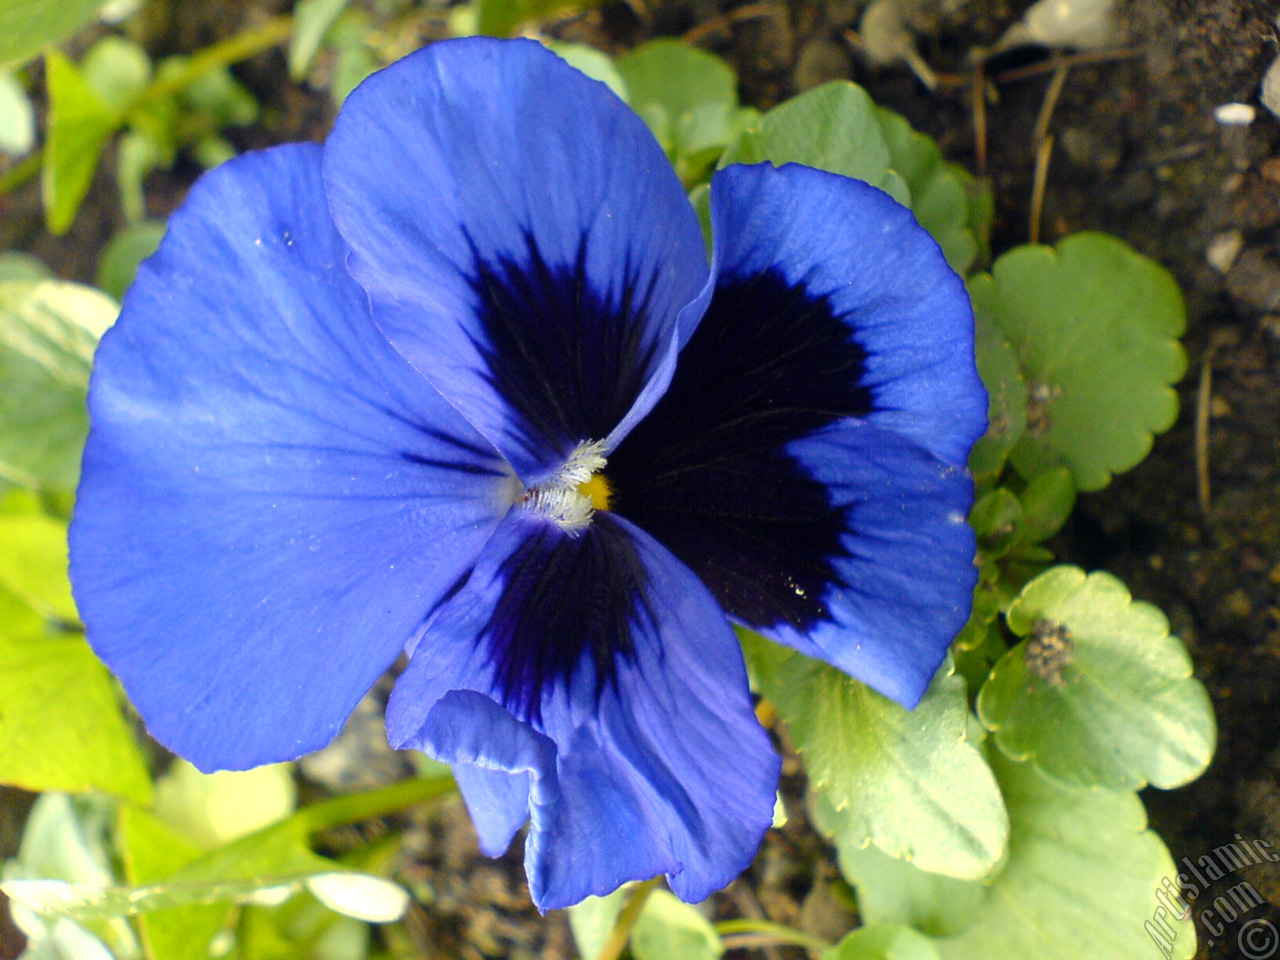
column 892, row 892
column 1081, row 880
column 883, row 942
column 1006, row 387
column 1094, row 325
column 909, row 782
column 1100, row 694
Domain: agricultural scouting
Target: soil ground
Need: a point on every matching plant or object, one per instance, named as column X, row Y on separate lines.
column 1138, row 153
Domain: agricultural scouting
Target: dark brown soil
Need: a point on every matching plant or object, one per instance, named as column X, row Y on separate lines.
column 1137, row 153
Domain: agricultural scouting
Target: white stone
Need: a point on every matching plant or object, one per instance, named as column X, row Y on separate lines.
column 1235, row 114
column 1223, row 250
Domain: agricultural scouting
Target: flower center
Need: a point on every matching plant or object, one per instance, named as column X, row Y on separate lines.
column 597, row 490
column 575, row 493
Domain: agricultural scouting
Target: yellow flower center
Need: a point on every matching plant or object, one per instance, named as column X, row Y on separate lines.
column 596, row 488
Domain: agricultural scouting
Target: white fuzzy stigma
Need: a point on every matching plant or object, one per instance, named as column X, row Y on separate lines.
column 559, row 499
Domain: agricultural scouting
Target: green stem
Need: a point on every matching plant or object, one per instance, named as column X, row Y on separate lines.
column 621, row 931
column 23, row 171
column 231, row 51
column 779, row 933
column 242, row 46
column 376, row 803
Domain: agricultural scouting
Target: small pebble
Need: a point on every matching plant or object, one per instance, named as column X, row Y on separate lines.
column 1270, row 95
column 1270, row 169
column 1223, row 250
column 1235, row 114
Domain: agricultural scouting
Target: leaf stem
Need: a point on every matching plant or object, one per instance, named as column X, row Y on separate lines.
column 234, row 49
column 376, row 803
column 621, row 931
column 242, row 46
column 776, row 931
column 22, row 171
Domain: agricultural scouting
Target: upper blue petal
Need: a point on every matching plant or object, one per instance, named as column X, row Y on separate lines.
column 883, row 274
column 523, row 239
column 641, row 757
column 272, row 499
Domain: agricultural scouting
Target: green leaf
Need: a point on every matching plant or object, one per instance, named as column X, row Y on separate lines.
column 939, row 190
column 15, row 265
column 211, row 809
column 301, row 928
column 1113, row 704
column 27, row 25
column 592, row 920
column 1006, row 389
column 837, row 127
column 48, row 331
column 354, row 60
column 359, row 895
column 833, row 127
column 894, row 892
column 67, row 838
column 980, row 643
column 216, row 94
column 152, row 850
column 500, row 18
column 881, row 942
column 118, row 264
column 273, row 868
column 669, row 928
column 137, row 154
column 997, row 520
column 689, row 99
column 907, row 781
column 311, row 21
column 1047, row 502
column 80, row 124
column 212, row 151
column 117, row 70
column 33, row 565
column 17, row 118
column 60, row 721
column 593, row 63
column 1081, row 879
column 1095, row 326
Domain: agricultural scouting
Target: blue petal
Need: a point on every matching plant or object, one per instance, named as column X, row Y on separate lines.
column 644, row 762
column 523, row 239
column 854, row 245
column 272, row 499
column 498, row 802
column 835, row 323
column 905, row 575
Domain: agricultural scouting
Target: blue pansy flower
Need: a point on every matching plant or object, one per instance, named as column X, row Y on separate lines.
column 461, row 383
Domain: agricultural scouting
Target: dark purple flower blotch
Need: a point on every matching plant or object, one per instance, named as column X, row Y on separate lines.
column 462, row 383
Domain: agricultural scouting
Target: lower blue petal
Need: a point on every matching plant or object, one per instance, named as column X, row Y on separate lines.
column 272, row 499
column 656, row 762
column 498, row 802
